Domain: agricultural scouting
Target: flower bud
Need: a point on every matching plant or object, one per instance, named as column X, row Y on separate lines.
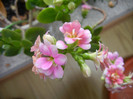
column 58, row 2
column 50, row 38
column 84, row 13
column 85, row 70
column 71, row 6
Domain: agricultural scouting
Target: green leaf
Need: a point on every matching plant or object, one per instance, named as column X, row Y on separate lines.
column 32, row 33
column 95, row 39
column 6, row 46
column 29, row 5
column 26, row 43
column 15, row 43
column 6, row 33
column 97, row 31
column 17, row 31
column 59, row 16
column 66, row 18
column 47, row 15
column 89, row 28
column 94, row 47
column 1, row 43
column 12, row 51
column 1, row 50
column 48, row 2
column 27, row 52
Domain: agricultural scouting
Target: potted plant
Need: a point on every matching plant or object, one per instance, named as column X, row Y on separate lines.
column 82, row 43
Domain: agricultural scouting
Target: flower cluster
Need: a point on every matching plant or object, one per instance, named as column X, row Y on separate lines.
column 114, row 73
column 49, row 57
column 47, row 61
column 112, row 66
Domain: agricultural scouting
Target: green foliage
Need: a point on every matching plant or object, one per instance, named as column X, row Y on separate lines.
column 66, row 18
column 1, row 50
column 15, row 43
column 6, row 34
column 94, row 47
column 27, row 52
column 59, row 16
column 32, row 33
column 10, row 50
column 95, row 39
column 47, row 15
column 17, row 31
column 89, row 28
column 26, row 43
column 48, row 2
column 97, row 31
column 30, row 4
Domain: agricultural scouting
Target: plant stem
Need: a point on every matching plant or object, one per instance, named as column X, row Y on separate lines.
column 30, row 18
column 14, row 23
column 104, row 15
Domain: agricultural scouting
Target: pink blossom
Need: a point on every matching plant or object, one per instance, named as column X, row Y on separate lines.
column 73, row 32
column 86, row 7
column 114, row 77
column 115, row 59
column 51, row 62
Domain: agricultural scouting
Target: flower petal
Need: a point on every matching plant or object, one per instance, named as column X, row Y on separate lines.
column 58, row 72
column 53, row 50
column 61, row 29
column 85, row 46
column 69, row 40
column 43, row 63
column 60, row 59
column 44, row 49
column 46, row 42
column 61, row 45
column 67, row 27
column 76, row 25
column 119, row 61
column 49, row 71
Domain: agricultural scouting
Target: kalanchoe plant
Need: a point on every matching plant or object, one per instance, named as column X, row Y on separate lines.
column 49, row 55
column 49, row 58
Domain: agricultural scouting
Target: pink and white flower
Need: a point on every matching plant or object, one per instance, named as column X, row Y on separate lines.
column 114, row 77
column 73, row 32
column 51, row 62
